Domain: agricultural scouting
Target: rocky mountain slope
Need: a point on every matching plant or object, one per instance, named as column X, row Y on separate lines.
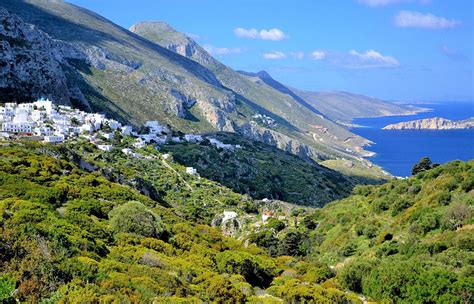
column 345, row 106
column 435, row 123
column 337, row 106
column 99, row 65
column 303, row 123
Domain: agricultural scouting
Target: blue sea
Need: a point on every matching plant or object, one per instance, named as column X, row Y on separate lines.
column 398, row 150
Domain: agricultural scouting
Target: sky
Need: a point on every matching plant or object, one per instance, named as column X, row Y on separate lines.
column 410, row 50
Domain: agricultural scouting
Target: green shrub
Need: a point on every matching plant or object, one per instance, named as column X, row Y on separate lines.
column 7, row 287
column 351, row 275
column 134, row 217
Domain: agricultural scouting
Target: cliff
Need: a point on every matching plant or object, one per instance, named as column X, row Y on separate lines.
column 435, row 123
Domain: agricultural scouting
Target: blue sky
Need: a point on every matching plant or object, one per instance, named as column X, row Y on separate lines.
column 392, row 49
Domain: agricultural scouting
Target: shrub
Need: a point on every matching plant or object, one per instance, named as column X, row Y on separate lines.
column 255, row 269
column 7, row 287
column 427, row 222
column 134, row 217
column 455, row 215
column 352, row 274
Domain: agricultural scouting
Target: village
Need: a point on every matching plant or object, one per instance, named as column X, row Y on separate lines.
column 45, row 121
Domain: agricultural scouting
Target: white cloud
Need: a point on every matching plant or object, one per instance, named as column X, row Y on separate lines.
column 297, row 55
column 379, row 3
column 271, row 34
column 369, row 59
column 220, row 51
column 274, row 55
column 318, row 55
column 243, row 33
column 427, row 21
column 453, row 53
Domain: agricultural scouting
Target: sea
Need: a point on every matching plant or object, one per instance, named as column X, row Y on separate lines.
column 398, row 150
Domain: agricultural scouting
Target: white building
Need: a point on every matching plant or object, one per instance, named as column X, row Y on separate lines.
column 18, row 127
column 53, row 139
column 192, row 137
column 10, row 105
column 42, row 131
column 87, row 128
column 126, row 130
column 155, row 127
column 106, row 148
column 113, row 124
column 191, row 170
column 229, row 215
column 108, row 136
column 139, row 143
column 6, row 111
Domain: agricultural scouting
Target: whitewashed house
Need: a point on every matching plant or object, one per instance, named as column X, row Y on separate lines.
column 155, row 127
column 192, row 137
column 139, row 143
column 108, row 136
column 53, row 138
column 106, row 148
column 87, row 128
column 191, row 171
column 126, row 130
column 42, row 131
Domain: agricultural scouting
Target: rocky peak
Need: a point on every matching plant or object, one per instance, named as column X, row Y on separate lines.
column 163, row 34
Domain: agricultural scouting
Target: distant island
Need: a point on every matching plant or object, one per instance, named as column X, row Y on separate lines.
column 435, row 123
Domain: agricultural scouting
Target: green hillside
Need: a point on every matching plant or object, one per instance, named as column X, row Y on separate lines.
column 68, row 236
column 407, row 241
column 264, row 172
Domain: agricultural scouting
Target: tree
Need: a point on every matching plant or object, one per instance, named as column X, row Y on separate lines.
column 424, row 164
column 134, row 217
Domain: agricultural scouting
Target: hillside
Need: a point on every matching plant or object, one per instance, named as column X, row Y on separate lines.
column 435, row 123
column 407, row 241
column 341, row 107
column 265, row 172
column 319, row 131
column 69, row 235
column 345, row 106
column 105, row 68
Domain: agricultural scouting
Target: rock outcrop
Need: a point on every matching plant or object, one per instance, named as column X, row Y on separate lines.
column 435, row 123
column 30, row 62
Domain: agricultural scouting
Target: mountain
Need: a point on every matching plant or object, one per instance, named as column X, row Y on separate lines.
column 309, row 126
column 100, row 66
column 435, row 123
column 341, row 107
column 344, row 106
